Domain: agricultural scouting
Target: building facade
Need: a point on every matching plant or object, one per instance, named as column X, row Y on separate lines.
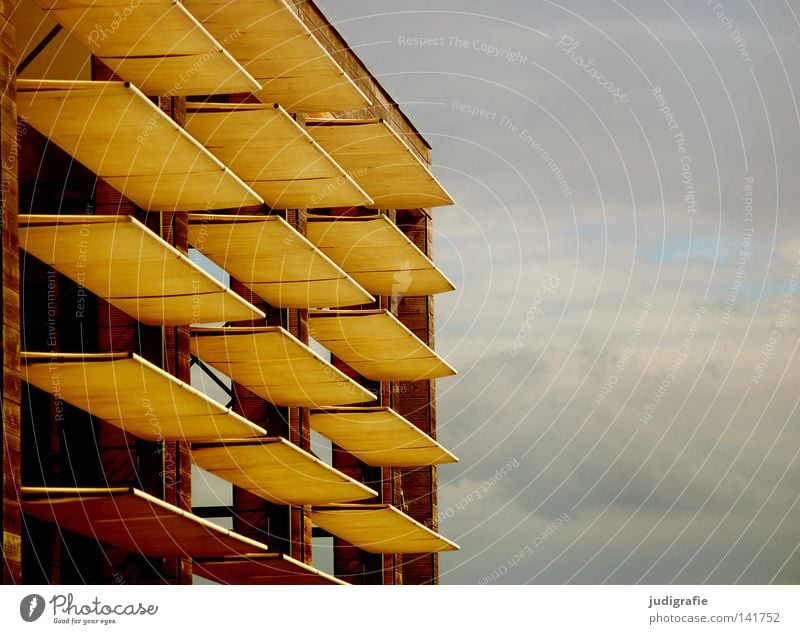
column 191, row 192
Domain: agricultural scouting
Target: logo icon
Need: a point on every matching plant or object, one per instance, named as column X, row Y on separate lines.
column 402, row 280
column 31, row 607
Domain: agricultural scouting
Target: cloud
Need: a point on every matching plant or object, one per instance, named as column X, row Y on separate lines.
column 667, row 191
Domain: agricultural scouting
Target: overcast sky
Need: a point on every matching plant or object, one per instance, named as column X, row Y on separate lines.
column 626, row 248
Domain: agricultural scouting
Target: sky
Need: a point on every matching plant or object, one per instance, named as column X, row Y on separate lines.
column 625, row 245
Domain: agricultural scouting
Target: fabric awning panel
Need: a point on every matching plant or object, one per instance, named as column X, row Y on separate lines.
column 275, row 260
column 381, row 162
column 274, row 45
column 378, row 255
column 122, row 261
column 277, row 366
column 119, row 134
column 273, row 154
column 262, row 569
column 278, row 471
column 379, row 436
column 156, row 44
column 135, row 521
column 377, row 345
column 380, row 528
column 131, row 393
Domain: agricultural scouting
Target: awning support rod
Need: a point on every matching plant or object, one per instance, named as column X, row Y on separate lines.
column 38, row 49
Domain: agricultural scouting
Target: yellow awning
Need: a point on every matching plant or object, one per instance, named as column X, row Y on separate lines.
column 275, row 46
column 276, row 261
column 380, row 528
column 376, row 345
column 120, row 260
column 378, row 255
column 135, row 521
column 266, row 569
column 380, row 161
column 156, row 44
column 273, row 154
column 379, row 436
column 119, row 134
column 133, row 394
column 278, row 471
column 277, row 366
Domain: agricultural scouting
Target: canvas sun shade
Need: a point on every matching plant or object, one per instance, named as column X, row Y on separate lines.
column 377, row 345
column 262, row 569
column 275, row 260
column 120, row 135
column 277, row 366
column 378, row 255
column 133, row 394
column 156, row 44
column 380, row 528
column 379, row 436
column 276, row 47
column 135, row 521
column 278, row 471
column 273, row 154
column 380, row 161
column 121, row 261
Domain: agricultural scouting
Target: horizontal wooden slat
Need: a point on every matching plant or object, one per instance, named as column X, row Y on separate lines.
column 378, row 255
column 279, row 472
column 135, row 395
column 156, row 44
column 135, row 521
column 379, row 436
column 122, row 261
column 376, row 345
column 275, row 260
column 277, row 366
column 119, row 134
column 381, row 162
column 380, row 528
column 268, row 38
column 272, row 153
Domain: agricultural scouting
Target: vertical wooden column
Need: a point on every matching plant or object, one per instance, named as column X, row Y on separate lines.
column 253, row 516
column 127, row 460
column 417, row 402
column 177, row 361
column 10, row 520
column 299, row 427
column 351, row 563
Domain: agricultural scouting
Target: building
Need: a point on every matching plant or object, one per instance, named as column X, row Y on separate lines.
column 248, row 132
